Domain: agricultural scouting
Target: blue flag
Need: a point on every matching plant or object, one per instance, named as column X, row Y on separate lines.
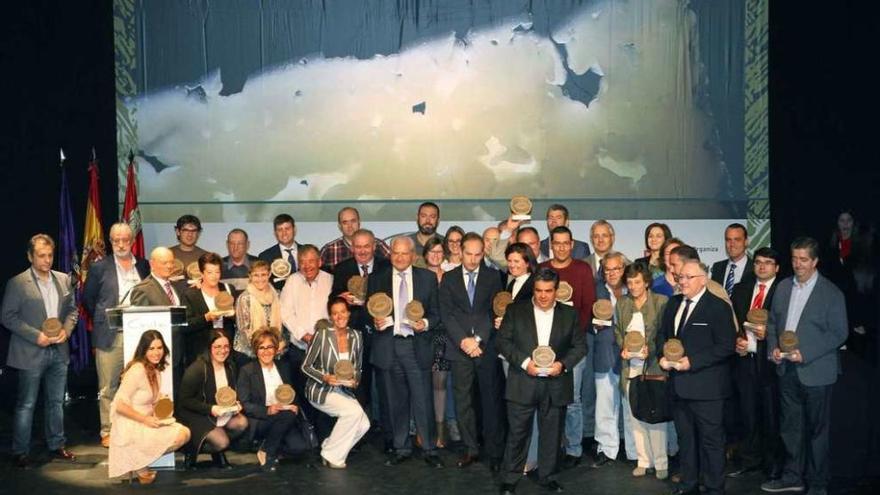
column 69, row 263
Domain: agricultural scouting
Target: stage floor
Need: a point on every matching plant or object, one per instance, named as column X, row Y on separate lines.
column 365, row 474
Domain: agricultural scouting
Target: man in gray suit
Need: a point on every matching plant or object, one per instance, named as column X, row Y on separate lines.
column 813, row 307
column 32, row 297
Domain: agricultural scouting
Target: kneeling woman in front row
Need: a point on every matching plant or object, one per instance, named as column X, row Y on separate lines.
column 137, row 437
column 332, row 394
column 211, row 425
column 278, row 426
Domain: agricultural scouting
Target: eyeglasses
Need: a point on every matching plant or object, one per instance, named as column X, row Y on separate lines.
column 688, row 278
column 614, row 269
column 266, row 348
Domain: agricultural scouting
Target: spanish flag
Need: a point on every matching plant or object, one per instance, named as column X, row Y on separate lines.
column 93, row 234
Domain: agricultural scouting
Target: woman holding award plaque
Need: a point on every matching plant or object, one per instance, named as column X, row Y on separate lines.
column 138, row 437
column 208, row 306
column 258, row 306
column 207, row 403
column 333, row 368
column 269, row 402
column 638, row 318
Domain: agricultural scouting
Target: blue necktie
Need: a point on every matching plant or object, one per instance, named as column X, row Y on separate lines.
column 728, row 284
column 684, row 317
column 471, row 287
column 291, row 260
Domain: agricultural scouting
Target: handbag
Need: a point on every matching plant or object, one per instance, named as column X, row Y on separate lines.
column 648, row 397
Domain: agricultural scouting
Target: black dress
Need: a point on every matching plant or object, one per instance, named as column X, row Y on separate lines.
column 197, row 389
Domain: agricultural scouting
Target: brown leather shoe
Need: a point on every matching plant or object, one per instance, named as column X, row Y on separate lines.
column 466, row 460
column 105, row 441
column 63, row 454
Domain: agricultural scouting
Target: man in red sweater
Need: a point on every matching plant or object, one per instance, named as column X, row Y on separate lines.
column 579, row 275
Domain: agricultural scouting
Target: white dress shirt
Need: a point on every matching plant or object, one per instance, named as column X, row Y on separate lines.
column 544, row 325
column 738, row 272
column 518, row 283
column 126, row 279
column 273, row 380
column 694, row 301
column 49, row 293
column 303, row 303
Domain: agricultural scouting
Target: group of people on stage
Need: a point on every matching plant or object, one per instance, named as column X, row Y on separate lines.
column 456, row 367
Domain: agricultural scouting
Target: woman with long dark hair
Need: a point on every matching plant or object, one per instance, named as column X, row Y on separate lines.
column 138, row 437
column 212, row 426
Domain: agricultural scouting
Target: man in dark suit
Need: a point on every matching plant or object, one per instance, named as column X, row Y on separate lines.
column 362, row 263
column 738, row 266
column 157, row 290
column 30, row 298
column 109, row 283
column 530, row 390
column 287, row 247
column 754, row 377
column 403, row 350
column 700, row 381
column 557, row 216
column 466, row 295
column 814, row 308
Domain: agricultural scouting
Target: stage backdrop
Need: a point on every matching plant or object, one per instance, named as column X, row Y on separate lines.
column 620, row 109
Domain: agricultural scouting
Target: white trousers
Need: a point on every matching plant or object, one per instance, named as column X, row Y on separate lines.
column 608, row 413
column 650, row 439
column 352, row 424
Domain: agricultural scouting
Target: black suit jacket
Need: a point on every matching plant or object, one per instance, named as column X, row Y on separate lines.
column 271, row 254
column 198, row 330
column 742, row 302
column 101, row 292
column 709, row 340
column 251, row 389
column 526, row 291
column 424, row 290
column 719, row 272
column 461, row 319
column 518, row 337
column 342, row 273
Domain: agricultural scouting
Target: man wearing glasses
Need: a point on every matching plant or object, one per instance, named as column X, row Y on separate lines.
column 700, row 380
column 108, row 285
column 188, row 229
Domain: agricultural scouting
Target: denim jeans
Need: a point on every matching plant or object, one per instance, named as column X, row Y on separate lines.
column 52, row 372
column 574, row 417
column 588, row 390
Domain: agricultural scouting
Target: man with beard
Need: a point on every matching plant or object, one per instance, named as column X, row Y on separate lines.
column 110, row 281
column 427, row 220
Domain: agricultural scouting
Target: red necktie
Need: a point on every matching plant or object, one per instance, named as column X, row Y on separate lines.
column 759, row 297
column 169, row 292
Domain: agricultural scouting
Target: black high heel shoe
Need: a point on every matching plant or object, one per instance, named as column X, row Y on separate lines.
column 189, row 461
column 220, row 461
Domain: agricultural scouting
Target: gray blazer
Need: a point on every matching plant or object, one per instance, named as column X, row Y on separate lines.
column 821, row 330
column 652, row 313
column 23, row 314
column 321, row 358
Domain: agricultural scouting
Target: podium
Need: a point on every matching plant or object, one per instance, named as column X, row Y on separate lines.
column 134, row 321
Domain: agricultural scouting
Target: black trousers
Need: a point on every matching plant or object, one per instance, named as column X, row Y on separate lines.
column 700, row 428
column 551, row 421
column 484, row 377
column 408, row 394
column 281, row 433
column 759, row 410
column 806, row 418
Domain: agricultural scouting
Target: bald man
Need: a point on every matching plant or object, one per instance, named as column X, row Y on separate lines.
column 157, row 290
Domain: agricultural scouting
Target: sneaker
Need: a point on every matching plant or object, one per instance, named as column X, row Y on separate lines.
column 639, row 471
column 662, row 474
column 781, row 486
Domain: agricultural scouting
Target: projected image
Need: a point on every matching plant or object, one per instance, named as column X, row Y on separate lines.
column 606, row 100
